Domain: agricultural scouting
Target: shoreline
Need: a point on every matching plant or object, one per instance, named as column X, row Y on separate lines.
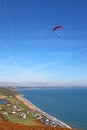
column 33, row 107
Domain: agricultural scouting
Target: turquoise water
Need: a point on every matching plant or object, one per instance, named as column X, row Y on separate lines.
column 67, row 105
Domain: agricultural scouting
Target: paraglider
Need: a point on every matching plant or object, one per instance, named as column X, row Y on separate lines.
column 58, row 27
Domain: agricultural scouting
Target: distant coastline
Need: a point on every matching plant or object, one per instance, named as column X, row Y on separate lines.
column 47, row 87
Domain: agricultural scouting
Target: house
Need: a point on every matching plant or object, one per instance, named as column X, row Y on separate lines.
column 38, row 116
column 32, row 112
column 5, row 114
column 14, row 107
column 20, row 109
column 45, row 121
column 53, row 124
column 8, row 104
column 22, row 115
column 12, row 112
column 0, row 108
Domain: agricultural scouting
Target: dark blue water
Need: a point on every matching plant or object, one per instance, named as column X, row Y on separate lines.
column 2, row 101
column 67, row 105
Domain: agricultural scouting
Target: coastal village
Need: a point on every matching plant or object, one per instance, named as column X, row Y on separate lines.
column 8, row 109
column 17, row 109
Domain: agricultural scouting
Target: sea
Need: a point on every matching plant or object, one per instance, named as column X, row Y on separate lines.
column 66, row 104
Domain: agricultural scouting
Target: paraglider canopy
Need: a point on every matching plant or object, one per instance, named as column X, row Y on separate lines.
column 57, row 27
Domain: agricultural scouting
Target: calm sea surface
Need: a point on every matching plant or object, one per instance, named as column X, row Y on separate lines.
column 67, row 105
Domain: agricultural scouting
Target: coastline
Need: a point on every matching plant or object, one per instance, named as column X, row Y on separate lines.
column 33, row 107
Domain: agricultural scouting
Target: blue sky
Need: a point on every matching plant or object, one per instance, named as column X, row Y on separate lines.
column 31, row 52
